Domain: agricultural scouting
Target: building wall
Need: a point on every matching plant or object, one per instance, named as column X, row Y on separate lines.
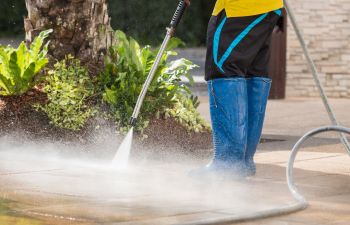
column 326, row 28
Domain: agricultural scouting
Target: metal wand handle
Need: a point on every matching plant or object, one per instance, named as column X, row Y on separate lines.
column 180, row 10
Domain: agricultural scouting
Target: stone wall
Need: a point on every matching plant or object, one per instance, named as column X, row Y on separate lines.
column 326, row 28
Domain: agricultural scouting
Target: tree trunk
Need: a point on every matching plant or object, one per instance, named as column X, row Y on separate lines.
column 81, row 28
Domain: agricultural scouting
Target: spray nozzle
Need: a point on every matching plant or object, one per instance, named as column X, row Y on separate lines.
column 133, row 121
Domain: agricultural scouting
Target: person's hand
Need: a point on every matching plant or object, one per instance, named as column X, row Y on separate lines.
column 188, row 2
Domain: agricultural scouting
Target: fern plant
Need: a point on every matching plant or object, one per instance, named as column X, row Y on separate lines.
column 126, row 70
column 18, row 67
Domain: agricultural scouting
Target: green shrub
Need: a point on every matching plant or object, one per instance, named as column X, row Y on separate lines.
column 126, row 70
column 19, row 67
column 68, row 88
column 185, row 112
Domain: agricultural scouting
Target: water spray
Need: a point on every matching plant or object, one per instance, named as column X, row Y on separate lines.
column 122, row 157
column 300, row 201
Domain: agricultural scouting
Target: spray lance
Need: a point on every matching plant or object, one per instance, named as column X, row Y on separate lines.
column 121, row 158
column 170, row 33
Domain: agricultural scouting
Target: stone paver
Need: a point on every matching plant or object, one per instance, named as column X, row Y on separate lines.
column 59, row 190
column 296, row 116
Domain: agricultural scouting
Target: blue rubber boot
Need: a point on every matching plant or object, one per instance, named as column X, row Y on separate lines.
column 229, row 111
column 258, row 92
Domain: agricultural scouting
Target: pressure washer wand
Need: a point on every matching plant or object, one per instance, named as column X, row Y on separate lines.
column 170, row 33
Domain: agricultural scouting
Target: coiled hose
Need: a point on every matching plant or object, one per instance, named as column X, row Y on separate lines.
column 300, row 203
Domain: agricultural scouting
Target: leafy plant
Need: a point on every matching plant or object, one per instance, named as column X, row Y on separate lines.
column 185, row 112
column 19, row 67
column 68, row 88
column 126, row 70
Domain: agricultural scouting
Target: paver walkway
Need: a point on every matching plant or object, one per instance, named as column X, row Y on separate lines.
column 57, row 190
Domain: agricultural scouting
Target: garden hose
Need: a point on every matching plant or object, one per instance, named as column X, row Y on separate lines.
column 180, row 10
column 300, row 203
column 295, row 150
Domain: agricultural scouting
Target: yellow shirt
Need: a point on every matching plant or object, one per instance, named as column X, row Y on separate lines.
column 240, row 8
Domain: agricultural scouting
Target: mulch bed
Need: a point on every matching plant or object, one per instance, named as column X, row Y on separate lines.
column 18, row 118
column 169, row 134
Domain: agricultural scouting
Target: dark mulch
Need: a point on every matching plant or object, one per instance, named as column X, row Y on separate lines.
column 18, row 118
column 168, row 134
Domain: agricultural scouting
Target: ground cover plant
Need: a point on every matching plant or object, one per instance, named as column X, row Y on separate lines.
column 68, row 87
column 127, row 67
column 58, row 106
column 73, row 96
column 19, row 67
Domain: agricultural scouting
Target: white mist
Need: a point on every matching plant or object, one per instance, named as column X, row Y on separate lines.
column 121, row 158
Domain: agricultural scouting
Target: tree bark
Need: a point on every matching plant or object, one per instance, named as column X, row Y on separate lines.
column 81, row 28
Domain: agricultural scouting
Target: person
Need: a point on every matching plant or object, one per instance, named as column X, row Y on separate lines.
column 236, row 71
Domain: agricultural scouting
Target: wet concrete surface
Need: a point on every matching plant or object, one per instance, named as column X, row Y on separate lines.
column 39, row 188
column 155, row 193
column 55, row 191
